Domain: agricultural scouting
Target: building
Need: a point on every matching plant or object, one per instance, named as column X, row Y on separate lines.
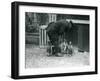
column 79, row 38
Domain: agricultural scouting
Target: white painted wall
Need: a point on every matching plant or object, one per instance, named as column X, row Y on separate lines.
column 5, row 40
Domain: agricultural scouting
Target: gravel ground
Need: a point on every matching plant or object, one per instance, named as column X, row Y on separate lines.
column 36, row 57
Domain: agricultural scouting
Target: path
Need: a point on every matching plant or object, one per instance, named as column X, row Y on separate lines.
column 37, row 58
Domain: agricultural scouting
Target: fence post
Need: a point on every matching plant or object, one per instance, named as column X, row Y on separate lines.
column 43, row 36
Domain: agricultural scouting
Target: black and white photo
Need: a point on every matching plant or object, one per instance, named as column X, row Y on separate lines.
column 56, row 40
column 51, row 40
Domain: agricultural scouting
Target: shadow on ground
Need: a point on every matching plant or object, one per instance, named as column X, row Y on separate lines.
column 36, row 57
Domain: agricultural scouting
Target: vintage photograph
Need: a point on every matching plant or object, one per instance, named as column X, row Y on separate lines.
column 50, row 40
column 56, row 40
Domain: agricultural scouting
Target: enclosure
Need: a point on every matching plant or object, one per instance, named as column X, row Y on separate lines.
column 37, row 37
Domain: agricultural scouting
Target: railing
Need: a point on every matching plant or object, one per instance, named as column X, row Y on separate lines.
column 42, row 35
column 32, row 38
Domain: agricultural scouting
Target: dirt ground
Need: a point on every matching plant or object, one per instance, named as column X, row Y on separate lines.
column 36, row 57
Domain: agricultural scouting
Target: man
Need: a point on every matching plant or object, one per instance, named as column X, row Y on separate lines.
column 70, row 48
column 64, row 47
